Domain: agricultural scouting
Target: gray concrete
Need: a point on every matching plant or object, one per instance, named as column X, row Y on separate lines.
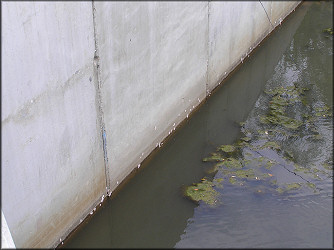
column 235, row 30
column 154, row 63
column 52, row 158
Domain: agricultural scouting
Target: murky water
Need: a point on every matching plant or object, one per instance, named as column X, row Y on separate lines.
column 151, row 211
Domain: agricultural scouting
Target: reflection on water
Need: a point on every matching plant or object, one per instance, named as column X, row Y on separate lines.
column 291, row 206
column 150, row 211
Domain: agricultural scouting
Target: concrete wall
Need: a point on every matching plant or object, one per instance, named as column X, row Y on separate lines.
column 52, row 159
column 133, row 69
column 153, row 59
column 171, row 55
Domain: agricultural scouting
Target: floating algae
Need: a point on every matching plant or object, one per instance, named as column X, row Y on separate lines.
column 233, row 180
column 322, row 111
column 281, row 99
column 232, row 163
column 227, row 148
column 327, row 166
column 269, row 164
column 328, row 31
column 203, row 191
column 271, row 144
column 291, row 186
column 295, row 186
column 214, row 157
column 246, row 139
column 249, row 159
column 311, row 185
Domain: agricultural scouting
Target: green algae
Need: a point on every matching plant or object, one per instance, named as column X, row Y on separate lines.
column 241, row 124
column 243, row 174
column 298, row 168
column 281, row 99
column 227, row 148
column 316, row 137
column 214, row 157
column 273, row 182
column 232, row 163
column 233, row 180
column 288, row 187
column 271, row 144
column 312, row 186
column 239, row 169
column 322, row 111
column 246, row 139
column 269, row 164
column 328, row 31
column 278, row 119
column 291, row 186
column 327, row 166
column 260, row 159
column 246, row 162
column 202, row 191
column 219, row 180
column 288, row 155
column 243, row 144
column 265, row 176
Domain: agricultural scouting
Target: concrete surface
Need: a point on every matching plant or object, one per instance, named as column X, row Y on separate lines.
column 135, row 70
column 6, row 236
column 153, row 63
column 52, row 158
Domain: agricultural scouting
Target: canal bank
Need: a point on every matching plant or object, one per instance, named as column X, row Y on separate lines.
column 78, row 118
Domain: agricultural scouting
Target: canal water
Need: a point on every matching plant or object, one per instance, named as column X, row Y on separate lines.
column 274, row 113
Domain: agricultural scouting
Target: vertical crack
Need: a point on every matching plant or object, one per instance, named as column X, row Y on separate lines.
column 97, row 68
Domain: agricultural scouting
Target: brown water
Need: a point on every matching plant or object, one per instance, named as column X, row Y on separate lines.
column 151, row 212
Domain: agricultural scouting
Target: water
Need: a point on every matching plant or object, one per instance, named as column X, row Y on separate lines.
column 151, row 212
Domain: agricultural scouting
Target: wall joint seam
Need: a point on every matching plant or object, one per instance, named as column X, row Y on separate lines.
column 99, row 96
column 208, row 53
column 267, row 14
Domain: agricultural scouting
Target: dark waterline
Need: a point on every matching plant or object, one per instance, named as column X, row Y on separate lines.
column 150, row 211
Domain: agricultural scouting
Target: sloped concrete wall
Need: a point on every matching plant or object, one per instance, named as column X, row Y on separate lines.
column 52, row 159
column 236, row 28
column 160, row 59
column 153, row 59
column 130, row 71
